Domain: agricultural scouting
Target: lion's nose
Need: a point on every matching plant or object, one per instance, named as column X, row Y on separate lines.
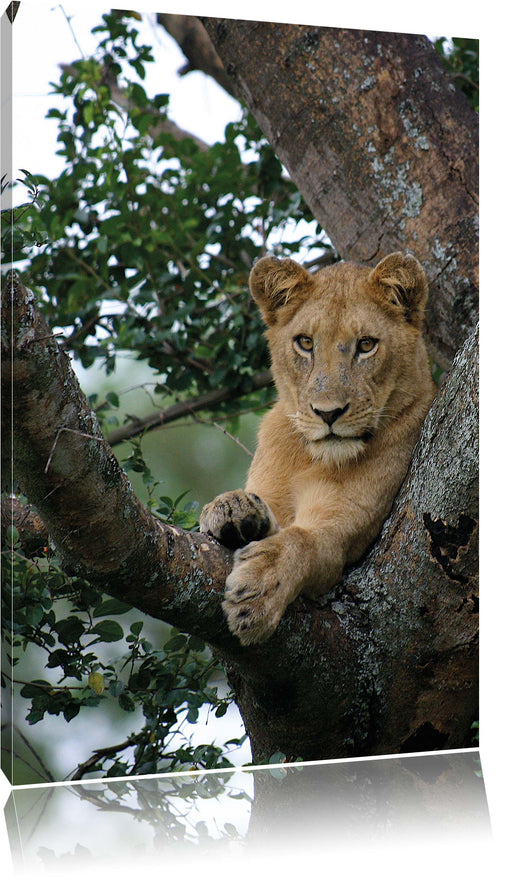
column 330, row 417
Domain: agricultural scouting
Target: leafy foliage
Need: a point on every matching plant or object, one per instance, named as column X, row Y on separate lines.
column 74, row 625
column 146, row 241
column 461, row 56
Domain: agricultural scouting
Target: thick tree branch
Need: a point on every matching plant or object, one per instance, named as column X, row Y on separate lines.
column 68, row 472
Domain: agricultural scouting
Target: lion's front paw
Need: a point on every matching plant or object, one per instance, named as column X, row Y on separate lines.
column 257, row 592
column 237, row 518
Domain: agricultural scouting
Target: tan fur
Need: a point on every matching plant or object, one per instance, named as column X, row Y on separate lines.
column 354, row 385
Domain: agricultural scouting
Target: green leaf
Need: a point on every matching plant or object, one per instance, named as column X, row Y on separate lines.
column 29, row 691
column 177, row 642
column 12, row 535
column 113, row 399
column 108, row 630
column 35, row 615
column 70, row 630
column 277, row 757
column 192, row 715
column 126, row 702
column 35, row 715
column 58, row 657
column 111, row 607
column 88, row 113
column 71, row 711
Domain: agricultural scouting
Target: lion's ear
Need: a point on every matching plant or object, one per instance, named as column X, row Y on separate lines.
column 403, row 282
column 278, row 287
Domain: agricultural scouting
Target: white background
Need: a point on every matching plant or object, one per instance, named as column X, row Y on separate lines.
column 40, row 49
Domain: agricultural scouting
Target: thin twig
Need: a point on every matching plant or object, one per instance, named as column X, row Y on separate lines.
column 70, row 26
column 232, row 437
column 66, row 429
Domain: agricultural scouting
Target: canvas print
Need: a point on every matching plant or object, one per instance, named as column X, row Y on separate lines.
column 239, row 449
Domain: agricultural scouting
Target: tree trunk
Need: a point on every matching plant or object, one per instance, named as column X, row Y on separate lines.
column 380, row 143
column 387, row 662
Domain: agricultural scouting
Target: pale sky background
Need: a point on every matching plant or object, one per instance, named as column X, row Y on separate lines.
column 42, row 39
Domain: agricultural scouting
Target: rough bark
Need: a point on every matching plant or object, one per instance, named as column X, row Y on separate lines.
column 386, row 663
column 420, row 584
column 32, row 533
column 69, row 473
column 381, row 144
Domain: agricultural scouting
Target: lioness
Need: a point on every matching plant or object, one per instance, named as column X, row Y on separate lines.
column 354, row 386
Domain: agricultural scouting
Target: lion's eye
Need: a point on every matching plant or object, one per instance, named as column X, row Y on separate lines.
column 303, row 343
column 366, row 345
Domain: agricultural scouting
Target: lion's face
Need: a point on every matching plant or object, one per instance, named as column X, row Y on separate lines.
column 342, row 341
column 338, row 363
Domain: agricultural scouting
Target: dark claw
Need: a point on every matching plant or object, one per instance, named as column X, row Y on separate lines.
column 230, row 536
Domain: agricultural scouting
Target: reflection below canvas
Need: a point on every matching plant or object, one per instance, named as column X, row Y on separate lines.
column 428, row 800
